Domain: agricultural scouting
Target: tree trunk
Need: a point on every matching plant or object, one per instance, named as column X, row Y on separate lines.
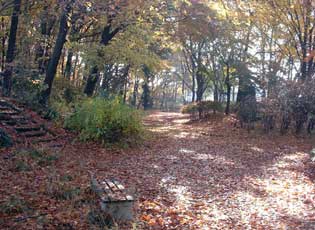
column 183, row 91
column 193, row 88
column 54, row 60
column 67, row 72
column 146, row 95
column 125, row 91
column 91, row 81
column 200, row 86
column 7, row 75
column 228, row 90
column 43, row 47
column 107, row 35
column 175, row 93
column 216, row 93
column 3, row 40
column 135, row 92
column 62, row 62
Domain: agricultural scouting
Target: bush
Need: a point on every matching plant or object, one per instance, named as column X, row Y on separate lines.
column 202, row 109
column 191, row 109
column 247, row 111
column 106, row 120
column 267, row 112
column 293, row 107
column 210, row 106
column 62, row 100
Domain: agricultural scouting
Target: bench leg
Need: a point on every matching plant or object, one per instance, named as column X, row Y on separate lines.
column 119, row 210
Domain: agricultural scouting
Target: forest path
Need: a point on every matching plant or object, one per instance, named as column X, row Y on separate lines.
column 211, row 175
column 200, row 175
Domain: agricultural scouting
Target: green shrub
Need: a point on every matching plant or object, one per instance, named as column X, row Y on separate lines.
column 51, row 114
column 106, row 120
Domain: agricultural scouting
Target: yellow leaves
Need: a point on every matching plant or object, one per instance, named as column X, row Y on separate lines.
column 88, row 4
column 152, row 205
column 146, row 218
column 153, row 219
column 219, row 8
column 151, row 8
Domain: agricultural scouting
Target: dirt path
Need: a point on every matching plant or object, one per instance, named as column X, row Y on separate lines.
column 211, row 176
column 207, row 175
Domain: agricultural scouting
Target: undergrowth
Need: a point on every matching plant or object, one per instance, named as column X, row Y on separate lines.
column 105, row 120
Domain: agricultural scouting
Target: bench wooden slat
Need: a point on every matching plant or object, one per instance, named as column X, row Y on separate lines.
column 118, row 185
column 112, row 191
column 111, row 185
column 113, row 198
column 109, row 193
column 122, row 189
column 118, row 195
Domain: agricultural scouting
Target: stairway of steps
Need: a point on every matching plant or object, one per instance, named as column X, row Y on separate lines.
column 23, row 127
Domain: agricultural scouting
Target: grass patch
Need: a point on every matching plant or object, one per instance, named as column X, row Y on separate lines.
column 66, row 193
column 66, row 178
column 98, row 218
column 39, row 157
column 47, row 160
column 14, row 205
column 22, row 166
column 60, row 189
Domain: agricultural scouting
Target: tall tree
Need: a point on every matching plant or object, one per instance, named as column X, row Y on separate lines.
column 107, row 35
column 7, row 75
column 55, row 57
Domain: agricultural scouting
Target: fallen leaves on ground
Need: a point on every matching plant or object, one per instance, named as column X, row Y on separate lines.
column 188, row 175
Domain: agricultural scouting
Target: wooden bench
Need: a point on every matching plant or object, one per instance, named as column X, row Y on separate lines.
column 114, row 200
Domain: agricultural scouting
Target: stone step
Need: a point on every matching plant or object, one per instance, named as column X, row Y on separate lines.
column 22, row 129
column 39, row 133
column 44, row 140
column 4, row 107
column 8, row 113
column 5, row 103
column 15, row 118
column 16, row 122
